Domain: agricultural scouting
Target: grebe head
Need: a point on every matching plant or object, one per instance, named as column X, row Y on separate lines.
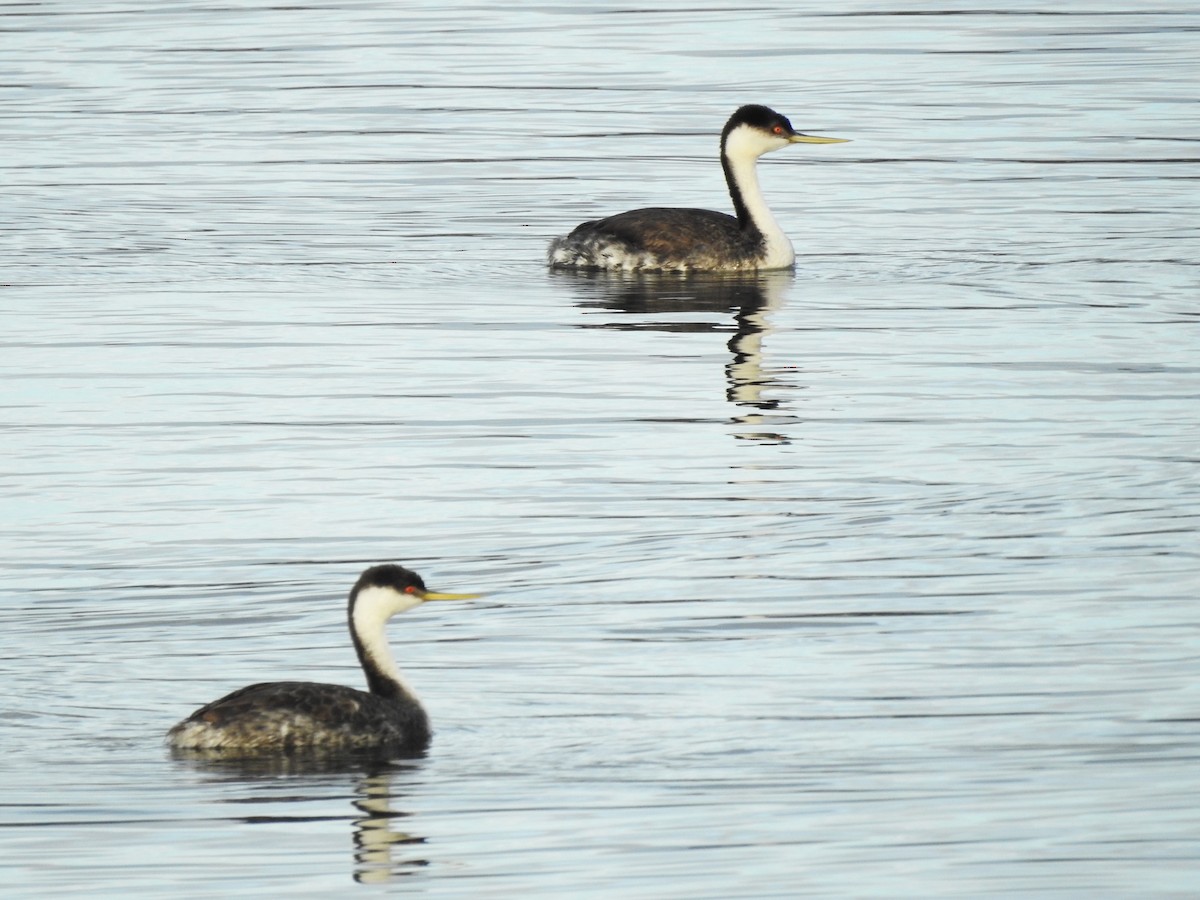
column 383, row 591
column 754, row 130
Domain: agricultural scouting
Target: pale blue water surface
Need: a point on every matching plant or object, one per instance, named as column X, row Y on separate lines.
column 878, row 578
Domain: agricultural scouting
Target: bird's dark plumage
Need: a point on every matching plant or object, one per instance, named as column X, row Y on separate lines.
column 298, row 716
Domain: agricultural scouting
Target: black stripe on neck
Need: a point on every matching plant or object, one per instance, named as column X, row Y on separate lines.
column 745, row 222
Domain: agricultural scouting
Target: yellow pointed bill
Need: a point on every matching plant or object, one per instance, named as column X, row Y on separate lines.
column 816, row 139
column 438, row 595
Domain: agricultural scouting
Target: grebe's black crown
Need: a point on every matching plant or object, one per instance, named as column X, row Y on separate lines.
column 756, row 116
column 387, row 575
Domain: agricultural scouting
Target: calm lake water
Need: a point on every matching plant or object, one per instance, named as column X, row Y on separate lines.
column 878, row 578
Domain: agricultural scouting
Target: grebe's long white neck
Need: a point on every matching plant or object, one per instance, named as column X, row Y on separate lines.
column 373, row 606
column 740, row 151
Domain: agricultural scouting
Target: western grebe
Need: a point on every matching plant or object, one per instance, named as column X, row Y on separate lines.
column 682, row 240
column 287, row 716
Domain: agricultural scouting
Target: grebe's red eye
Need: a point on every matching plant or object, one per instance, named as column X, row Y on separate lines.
column 778, row 129
column 410, row 590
